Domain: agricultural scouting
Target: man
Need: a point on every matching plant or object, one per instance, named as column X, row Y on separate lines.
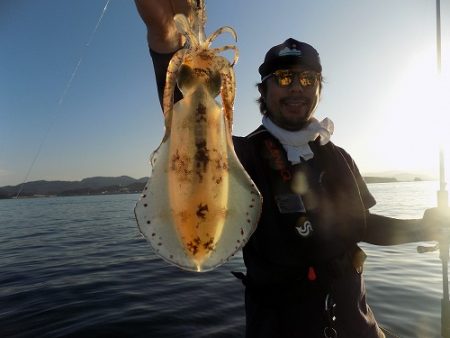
column 304, row 268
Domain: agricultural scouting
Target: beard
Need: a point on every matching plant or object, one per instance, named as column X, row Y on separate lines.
column 292, row 115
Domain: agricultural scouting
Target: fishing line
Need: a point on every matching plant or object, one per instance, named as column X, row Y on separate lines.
column 62, row 98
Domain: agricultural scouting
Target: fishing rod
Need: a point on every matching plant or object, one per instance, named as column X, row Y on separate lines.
column 443, row 251
column 442, row 203
column 61, row 100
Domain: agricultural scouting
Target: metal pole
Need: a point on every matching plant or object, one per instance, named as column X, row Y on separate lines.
column 442, row 202
column 438, row 35
column 442, row 197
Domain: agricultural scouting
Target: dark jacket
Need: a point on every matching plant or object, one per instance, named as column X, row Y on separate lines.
column 279, row 260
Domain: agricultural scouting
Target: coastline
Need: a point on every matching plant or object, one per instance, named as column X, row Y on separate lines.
column 111, row 186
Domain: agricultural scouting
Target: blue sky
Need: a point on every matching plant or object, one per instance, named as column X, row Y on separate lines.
column 378, row 59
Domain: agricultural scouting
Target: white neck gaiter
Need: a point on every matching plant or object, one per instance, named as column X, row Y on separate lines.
column 296, row 142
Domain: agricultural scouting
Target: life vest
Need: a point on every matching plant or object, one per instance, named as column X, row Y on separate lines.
column 313, row 212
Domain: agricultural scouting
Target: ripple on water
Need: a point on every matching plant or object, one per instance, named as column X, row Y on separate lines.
column 78, row 267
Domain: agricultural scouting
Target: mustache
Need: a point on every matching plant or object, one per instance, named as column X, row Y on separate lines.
column 295, row 98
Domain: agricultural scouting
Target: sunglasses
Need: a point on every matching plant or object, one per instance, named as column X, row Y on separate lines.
column 285, row 78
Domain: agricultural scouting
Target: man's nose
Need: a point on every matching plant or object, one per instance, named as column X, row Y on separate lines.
column 295, row 85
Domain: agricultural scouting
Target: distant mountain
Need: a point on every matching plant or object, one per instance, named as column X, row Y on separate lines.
column 402, row 176
column 98, row 182
column 375, row 179
column 87, row 186
column 125, row 184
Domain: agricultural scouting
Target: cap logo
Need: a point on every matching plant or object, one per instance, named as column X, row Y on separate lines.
column 290, row 51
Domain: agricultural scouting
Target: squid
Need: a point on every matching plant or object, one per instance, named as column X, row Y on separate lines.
column 199, row 206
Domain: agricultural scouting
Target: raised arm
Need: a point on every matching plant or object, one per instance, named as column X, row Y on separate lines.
column 162, row 35
column 382, row 230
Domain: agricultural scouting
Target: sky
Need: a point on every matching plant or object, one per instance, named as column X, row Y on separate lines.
column 390, row 109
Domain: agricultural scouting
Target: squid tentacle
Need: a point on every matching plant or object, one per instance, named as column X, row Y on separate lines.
column 187, row 29
column 171, row 78
column 171, row 75
column 228, row 47
column 221, row 30
column 199, row 19
column 227, row 93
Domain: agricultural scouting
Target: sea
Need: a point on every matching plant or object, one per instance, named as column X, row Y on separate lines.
column 78, row 267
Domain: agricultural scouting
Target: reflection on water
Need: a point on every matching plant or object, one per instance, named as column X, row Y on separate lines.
column 404, row 287
column 77, row 266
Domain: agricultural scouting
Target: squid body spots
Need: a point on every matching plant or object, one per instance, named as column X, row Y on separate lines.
column 200, row 115
column 181, row 165
column 201, row 158
column 202, row 210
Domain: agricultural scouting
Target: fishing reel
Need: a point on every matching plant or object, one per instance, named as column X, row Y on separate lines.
column 424, row 249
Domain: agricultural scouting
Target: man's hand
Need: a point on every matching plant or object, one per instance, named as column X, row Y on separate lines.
column 162, row 34
column 436, row 223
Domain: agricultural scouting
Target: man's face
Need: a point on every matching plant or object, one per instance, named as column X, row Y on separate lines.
column 292, row 106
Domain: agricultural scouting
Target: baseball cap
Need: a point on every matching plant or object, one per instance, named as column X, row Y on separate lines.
column 291, row 52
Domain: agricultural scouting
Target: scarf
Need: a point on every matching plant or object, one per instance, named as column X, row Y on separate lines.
column 296, row 142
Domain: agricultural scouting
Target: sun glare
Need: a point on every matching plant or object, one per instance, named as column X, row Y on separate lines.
column 418, row 116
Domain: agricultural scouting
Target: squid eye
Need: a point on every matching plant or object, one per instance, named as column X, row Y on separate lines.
column 214, row 83
column 185, row 77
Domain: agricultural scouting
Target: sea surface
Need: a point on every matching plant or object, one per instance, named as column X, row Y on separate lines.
column 78, row 267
